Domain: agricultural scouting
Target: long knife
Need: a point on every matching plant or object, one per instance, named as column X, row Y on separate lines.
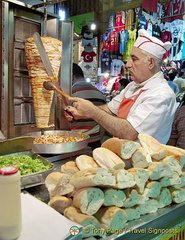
column 43, row 54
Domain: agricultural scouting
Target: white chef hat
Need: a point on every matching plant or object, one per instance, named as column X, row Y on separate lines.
column 151, row 44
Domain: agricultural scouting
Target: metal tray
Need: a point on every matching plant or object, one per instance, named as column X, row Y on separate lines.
column 59, row 148
column 37, row 178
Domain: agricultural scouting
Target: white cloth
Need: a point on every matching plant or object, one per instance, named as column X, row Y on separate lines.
column 153, row 111
column 151, row 44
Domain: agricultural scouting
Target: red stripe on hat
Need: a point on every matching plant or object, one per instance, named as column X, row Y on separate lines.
column 149, row 40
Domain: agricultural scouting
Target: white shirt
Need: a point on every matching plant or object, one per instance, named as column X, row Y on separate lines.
column 153, row 111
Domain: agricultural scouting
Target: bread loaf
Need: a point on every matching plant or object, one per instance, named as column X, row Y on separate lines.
column 105, row 158
column 149, row 206
column 141, row 176
column 93, row 177
column 60, row 203
column 159, row 170
column 132, row 198
column 132, row 213
column 182, row 182
column 178, row 195
column 70, row 168
column 85, row 161
column 141, row 158
column 173, row 163
column 168, row 181
column 113, row 197
column 152, row 146
column 164, row 199
column 152, row 189
column 182, row 161
column 88, row 200
column 124, row 179
column 84, row 220
column 112, row 217
column 174, row 150
column 122, row 147
column 58, row 184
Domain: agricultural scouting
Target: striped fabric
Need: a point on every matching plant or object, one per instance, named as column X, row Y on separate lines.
column 88, row 91
column 178, row 129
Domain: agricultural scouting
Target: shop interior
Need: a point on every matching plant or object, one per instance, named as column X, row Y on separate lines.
column 97, row 35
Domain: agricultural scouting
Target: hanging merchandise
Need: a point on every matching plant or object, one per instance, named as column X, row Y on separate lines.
column 88, row 56
column 114, row 42
column 88, row 68
column 149, row 27
column 116, row 66
column 130, row 43
column 120, row 21
column 89, row 42
column 111, row 22
column 106, row 60
column 105, row 41
column 177, row 31
column 129, row 23
column 123, row 38
column 142, row 22
column 150, row 6
column 156, row 31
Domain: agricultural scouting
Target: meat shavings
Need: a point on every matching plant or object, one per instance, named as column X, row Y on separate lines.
column 56, row 138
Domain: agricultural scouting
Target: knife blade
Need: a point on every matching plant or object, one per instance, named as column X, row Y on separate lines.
column 45, row 59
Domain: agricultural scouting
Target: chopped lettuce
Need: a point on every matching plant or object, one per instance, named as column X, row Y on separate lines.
column 24, row 163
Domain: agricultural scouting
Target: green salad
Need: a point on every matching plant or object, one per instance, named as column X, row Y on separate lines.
column 24, row 163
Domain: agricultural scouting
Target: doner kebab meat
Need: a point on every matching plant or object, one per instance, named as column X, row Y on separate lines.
column 42, row 98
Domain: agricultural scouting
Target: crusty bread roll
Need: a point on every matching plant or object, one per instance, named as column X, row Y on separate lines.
column 112, row 217
column 133, row 198
column 141, row 158
column 132, row 213
column 173, row 163
column 105, row 158
column 113, row 197
column 58, row 184
column 178, row 195
column 42, row 98
column 159, row 170
column 141, row 176
column 182, row 161
column 84, row 220
column 60, row 203
column 70, row 168
column 152, row 189
column 124, row 179
column 171, row 180
column 149, row 206
column 174, row 150
column 152, row 146
column 122, row 147
column 164, row 199
column 88, row 200
column 93, row 177
column 182, row 182
column 85, row 161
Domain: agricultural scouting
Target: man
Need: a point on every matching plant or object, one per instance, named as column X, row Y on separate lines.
column 86, row 90
column 180, row 81
column 146, row 105
column 171, row 83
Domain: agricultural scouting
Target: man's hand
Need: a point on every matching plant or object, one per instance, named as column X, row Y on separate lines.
column 81, row 108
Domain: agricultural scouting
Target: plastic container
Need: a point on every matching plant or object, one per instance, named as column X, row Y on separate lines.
column 10, row 203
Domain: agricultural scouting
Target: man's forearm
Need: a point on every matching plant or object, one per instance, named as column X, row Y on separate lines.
column 118, row 127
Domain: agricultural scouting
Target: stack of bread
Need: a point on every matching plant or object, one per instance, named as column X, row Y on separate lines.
column 102, row 192
column 42, row 98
